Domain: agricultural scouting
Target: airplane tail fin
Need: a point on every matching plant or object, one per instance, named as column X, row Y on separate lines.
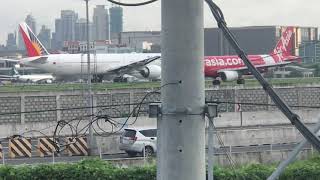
column 33, row 45
column 284, row 46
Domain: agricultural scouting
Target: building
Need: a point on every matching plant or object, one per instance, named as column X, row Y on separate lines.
column 31, row 23
column 11, row 42
column 254, row 39
column 137, row 40
column 65, row 28
column 101, row 23
column 81, row 30
column 71, row 47
column 97, row 47
column 20, row 42
column 310, row 51
column 68, row 21
column 45, row 37
column 116, row 20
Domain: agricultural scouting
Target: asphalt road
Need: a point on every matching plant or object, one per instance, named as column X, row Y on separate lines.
column 221, row 150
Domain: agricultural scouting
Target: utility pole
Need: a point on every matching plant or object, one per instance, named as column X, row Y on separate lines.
column 182, row 128
column 89, row 88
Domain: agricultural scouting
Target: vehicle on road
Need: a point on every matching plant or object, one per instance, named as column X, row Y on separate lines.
column 141, row 140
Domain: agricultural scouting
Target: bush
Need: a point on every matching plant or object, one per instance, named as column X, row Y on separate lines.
column 95, row 169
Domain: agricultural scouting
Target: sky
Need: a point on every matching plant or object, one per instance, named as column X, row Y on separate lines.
column 237, row 13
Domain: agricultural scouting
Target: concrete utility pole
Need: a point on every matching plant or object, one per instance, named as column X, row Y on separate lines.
column 182, row 128
column 91, row 142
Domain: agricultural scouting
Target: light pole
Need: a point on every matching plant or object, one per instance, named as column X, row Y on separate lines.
column 91, row 138
column 212, row 112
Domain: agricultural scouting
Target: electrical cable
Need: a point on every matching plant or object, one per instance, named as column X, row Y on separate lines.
column 132, row 4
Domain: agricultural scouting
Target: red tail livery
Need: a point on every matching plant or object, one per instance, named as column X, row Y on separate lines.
column 32, row 43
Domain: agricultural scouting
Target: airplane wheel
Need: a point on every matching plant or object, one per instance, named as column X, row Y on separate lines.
column 240, row 81
column 216, row 82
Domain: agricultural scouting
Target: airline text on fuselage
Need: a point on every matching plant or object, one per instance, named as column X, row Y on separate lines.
column 223, row 62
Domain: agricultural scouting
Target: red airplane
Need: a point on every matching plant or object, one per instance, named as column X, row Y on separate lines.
column 230, row 68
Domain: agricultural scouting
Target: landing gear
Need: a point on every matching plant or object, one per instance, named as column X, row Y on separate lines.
column 216, row 82
column 240, row 81
column 97, row 78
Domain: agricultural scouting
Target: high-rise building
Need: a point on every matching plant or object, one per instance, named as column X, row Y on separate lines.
column 45, row 37
column 31, row 23
column 11, row 41
column 116, row 20
column 57, row 41
column 81, row 30
column 101, row 22
column 20, row 42
column 68, row 22
column 64, row 28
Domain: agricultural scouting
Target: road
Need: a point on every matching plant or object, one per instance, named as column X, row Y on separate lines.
column 221, row 150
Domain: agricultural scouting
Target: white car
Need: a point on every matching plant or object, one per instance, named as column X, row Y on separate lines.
column 139, row 140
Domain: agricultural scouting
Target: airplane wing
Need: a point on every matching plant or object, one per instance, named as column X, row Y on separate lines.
column 7, row 78
column 127, row 69
column 11, row 60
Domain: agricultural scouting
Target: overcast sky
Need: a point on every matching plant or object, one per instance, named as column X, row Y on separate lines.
column 237, row 13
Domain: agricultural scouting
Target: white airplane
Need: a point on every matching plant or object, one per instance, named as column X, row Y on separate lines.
column 31, row 78
column 105, row 66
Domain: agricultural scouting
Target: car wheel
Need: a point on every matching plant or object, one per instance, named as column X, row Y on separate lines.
column 132, row 154
column 148, row 151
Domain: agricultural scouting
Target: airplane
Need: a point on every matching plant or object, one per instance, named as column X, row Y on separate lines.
column 231, row 68
column 140, row 65
column 31, row 78
column 105, row 66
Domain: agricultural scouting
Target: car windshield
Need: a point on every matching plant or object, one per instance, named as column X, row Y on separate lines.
column 149, row 132
column 129, row 133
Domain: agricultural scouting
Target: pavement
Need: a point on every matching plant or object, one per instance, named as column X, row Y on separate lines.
column 119, row 156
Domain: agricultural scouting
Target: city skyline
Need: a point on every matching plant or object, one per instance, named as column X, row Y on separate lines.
column 244, row 13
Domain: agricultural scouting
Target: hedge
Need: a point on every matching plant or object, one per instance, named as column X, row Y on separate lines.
column 95, row 169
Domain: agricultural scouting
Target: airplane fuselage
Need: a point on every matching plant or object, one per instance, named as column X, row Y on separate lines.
column 214, row 64
column 76, row 64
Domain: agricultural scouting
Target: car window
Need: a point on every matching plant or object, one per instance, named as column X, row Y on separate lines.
column 129, row 133
column 149, row 132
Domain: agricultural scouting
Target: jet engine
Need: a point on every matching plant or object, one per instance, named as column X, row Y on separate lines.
column 151, row 72
column 49, row 81
column 229, row 75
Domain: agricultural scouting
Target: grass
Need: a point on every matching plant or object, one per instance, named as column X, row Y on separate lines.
column 144, row 85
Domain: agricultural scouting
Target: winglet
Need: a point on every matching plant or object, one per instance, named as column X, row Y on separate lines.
column 33, row 45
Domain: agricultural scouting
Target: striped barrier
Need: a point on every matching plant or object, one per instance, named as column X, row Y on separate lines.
column 1, row 151
column 77, row 146
column 20, row 147
column 46, row 146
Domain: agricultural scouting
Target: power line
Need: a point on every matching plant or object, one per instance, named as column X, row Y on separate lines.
column 75, row 132
column 132, row 4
